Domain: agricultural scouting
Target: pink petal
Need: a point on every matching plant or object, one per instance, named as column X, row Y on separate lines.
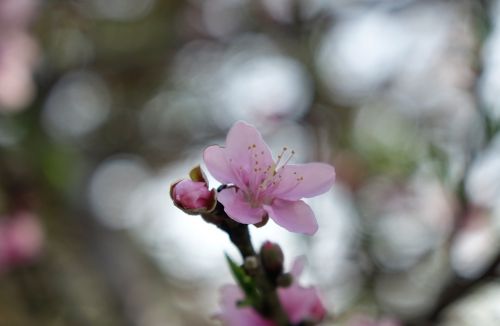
column 217, row 165
column 232, row 315
column 298, row 266
column 191, row 194
column 295, row 216
column 246, row 149
column 237, row 208
column 304, row 180
column 301, row 303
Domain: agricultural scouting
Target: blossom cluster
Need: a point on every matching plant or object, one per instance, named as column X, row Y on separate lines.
column 256, row 188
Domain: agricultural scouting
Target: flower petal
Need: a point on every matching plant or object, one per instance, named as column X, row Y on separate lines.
column 298, row 266
column 295, row 216
column 246, row 149
column 301, row 303
column 304, row 180
column 232, row 315
column 217, row 165
column 237, row 208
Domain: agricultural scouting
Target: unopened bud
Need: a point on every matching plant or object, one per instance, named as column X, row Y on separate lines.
column 193, row 197
column 272, row 258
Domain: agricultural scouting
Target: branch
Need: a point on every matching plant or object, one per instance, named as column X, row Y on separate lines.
column 239, row 235
column 455, row 289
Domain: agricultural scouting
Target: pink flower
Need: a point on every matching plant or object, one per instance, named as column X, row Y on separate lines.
column 263, row 187
column 17, row 58
column 16, row 14
column 300, row 303
column 21, row 240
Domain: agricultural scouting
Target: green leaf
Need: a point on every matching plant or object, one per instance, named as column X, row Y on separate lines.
column 246, row 283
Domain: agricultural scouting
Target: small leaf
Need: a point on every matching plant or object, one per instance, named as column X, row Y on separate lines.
column 245, row 282
column 243, row 303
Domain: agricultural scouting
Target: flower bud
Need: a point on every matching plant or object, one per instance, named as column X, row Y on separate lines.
column 272, row 259
column 193, row 197
column 251, row 265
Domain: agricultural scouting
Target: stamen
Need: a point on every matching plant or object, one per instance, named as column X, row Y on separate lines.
column 273, row 175
column 289, row 158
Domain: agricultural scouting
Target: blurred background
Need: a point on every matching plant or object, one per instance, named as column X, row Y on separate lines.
column 104, row 103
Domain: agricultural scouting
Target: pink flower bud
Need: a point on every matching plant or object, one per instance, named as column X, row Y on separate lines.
column 192, row 196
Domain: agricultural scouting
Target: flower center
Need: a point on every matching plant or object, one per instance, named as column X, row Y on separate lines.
column 273, row 173
column 263, row 179
column 259, row 179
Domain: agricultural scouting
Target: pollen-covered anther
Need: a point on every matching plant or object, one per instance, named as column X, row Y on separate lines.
column 280, row 156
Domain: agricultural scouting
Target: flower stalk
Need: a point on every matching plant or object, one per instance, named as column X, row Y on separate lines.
column 269, row 304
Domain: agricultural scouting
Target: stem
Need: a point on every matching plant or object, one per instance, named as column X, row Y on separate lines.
column 239, row 235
